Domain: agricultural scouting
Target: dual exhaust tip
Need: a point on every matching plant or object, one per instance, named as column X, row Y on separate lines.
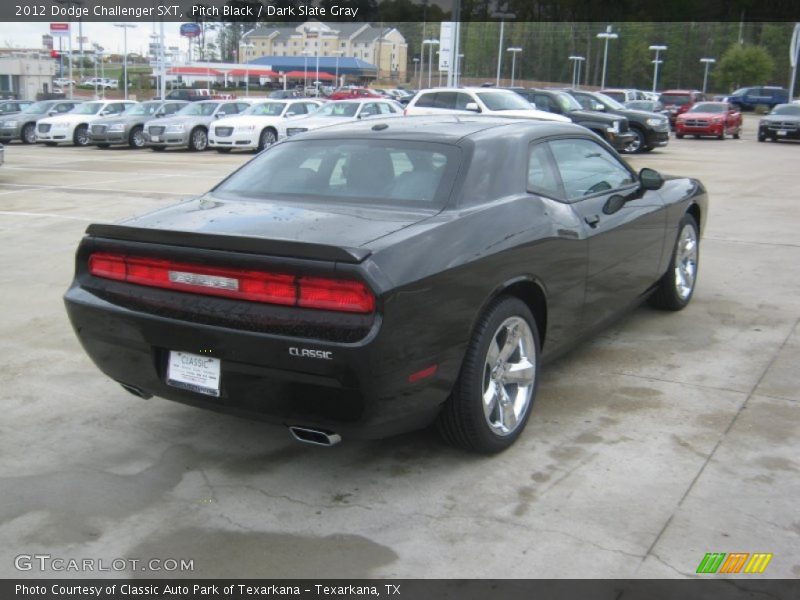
column 315, row 437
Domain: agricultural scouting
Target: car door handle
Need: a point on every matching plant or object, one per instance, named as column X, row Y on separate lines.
column 592, row 220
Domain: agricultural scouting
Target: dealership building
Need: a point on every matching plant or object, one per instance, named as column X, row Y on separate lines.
column 23, row 75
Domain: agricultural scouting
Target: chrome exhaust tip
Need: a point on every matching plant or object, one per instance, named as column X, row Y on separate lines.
column 316, row 437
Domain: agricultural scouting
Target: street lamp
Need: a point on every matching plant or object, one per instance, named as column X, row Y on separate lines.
column 656, row 62
column 576, row 70
column 502, row 16
column 416, row 64
column 430, row 44
column 125, row 27
column 318, row 32
column 458, row 68
column 247, row 48
column 514, row 51
column 606, row 35
column 708, row 62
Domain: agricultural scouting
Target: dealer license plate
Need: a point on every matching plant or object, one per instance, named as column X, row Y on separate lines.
column 155, row 138
column 194, row 372
column 782, row 132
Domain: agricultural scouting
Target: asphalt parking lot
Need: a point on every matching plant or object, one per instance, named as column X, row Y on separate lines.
column 666, row 437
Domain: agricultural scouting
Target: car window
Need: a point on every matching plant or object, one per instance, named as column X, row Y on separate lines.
column 585, row 102
column 542, row 102
column 542, row 176
column 171, row 108
column 446, row 100
column 462, row 100
column 587, row 168
column 426, row 101
column 385, row 108
column 230, row 108
column 387, row 172
column 369, row 109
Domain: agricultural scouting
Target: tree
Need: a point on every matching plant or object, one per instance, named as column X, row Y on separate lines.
column 744, row 65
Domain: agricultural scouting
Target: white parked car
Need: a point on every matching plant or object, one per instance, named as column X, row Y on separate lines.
column 259, row 126
column 63, row 82
column 341, row 111
column 486, row 101
column 73, row 127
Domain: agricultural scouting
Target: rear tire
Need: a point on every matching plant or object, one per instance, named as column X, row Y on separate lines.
column 736, row 135
column 491, row 401
column 721, row 136
column 28, row 135
column 676, row 288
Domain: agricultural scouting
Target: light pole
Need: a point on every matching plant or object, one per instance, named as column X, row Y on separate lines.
column 502, row 16
column 576, row 70
column 247, row 48
column 514, row 51
column 305, row 54
column 125, row 27
column 656, row 62
column 458, row 68
column 416, row 65
column 606, row 35
column 337, row 53
column 708, row 62
column 318, row 32
column 430, row 44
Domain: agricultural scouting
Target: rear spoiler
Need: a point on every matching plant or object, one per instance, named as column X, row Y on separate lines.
column 210, row 241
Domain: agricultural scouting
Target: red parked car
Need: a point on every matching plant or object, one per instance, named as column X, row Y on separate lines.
column 677, row 102
column 350, row 93
column 716, row 119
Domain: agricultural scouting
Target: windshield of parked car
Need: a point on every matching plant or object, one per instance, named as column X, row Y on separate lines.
column 143, row 109
column 268, row 109
column 338, row 109
column 618, row 96
column 37, row 108
column 504, row 100
column 608, row 101
column 87, row 108
column 386, row 172
column 642, row 105
column 198, row 109
column 786, row 109
column 567, row 102
column 679, row 99
column 708, row 107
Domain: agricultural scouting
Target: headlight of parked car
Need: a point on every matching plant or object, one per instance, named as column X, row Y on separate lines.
column 614, row 128
column 295, row 130
column 179, row 128
column 116, row 127
column 656, row 122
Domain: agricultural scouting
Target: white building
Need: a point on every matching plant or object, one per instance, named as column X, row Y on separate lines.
column 25, row 74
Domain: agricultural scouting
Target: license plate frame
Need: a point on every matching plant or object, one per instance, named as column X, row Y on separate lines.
column 782, row 132
column 194, row 372
column 155, row 138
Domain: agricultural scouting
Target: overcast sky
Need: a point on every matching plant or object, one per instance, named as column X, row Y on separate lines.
column 29, row 35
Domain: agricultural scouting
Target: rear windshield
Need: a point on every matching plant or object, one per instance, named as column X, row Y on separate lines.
column 384, row 172
column 679, row 99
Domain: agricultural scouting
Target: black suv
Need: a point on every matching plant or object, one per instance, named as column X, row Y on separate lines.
column 613, row 129
column 651, row 130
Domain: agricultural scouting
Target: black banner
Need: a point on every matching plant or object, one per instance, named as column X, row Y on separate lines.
column 291, row 11
column 435, row 589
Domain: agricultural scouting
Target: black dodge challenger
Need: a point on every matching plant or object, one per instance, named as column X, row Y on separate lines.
column 372, row 278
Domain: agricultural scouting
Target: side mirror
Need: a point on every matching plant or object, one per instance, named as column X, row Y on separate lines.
column 599, row 106
column 291, row 113
column 104, row 113
column 473, row 107
column 650, row 179
column 52, row 112
column 220, row 114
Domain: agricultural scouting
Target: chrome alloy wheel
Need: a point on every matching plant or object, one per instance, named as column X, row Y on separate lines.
column 686, row 262
column 509, row 375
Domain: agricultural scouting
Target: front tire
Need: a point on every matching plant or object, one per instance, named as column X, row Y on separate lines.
column 491, row 401
column 198, row 140
column 638, row 144
column 676, row 287
column 29, row 134
column 136, row 138
column 81, row 136
column 267, row 138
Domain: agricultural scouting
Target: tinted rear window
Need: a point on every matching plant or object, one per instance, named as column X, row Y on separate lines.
column 385, row 172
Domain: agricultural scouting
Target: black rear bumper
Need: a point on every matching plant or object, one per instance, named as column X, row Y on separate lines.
column 352, row 393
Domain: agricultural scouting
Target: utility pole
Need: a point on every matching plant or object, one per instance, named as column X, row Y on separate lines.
column 125, row 27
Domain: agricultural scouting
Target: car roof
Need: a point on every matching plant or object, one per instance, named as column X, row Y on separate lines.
column 439, row 128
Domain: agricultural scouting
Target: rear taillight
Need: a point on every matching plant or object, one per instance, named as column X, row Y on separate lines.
column 241, row 284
